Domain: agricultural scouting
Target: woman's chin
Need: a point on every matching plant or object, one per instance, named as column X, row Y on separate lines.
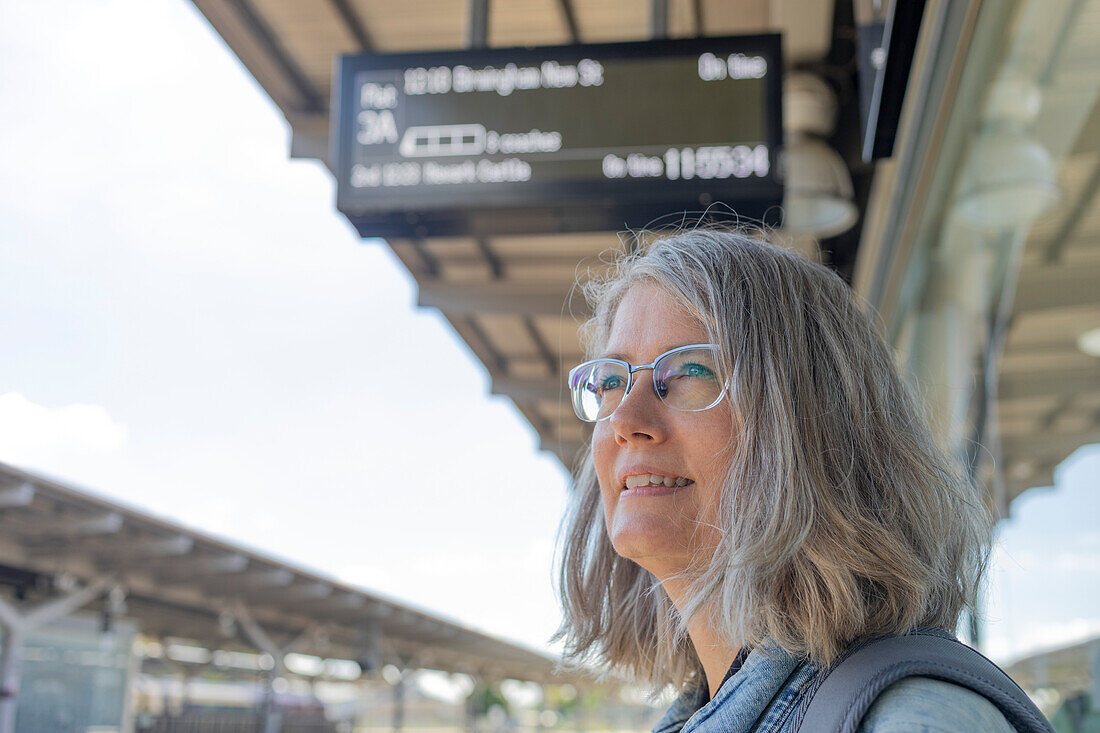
column 650, row 544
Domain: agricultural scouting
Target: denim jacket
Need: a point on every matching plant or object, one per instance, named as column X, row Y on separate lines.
column 767, row 693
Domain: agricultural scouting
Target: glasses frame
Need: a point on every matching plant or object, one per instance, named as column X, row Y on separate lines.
column 630, row 369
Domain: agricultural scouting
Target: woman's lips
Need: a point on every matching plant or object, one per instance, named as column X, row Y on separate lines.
column 641, row 491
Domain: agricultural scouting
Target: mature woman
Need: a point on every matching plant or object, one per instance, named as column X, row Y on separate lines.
column 761, row 493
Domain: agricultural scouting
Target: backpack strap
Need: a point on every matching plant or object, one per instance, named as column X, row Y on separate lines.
column 852, row 684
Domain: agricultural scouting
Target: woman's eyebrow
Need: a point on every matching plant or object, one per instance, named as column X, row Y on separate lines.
column 621, row 357
column 613, row 354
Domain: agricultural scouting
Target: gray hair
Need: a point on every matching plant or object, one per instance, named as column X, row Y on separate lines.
column 841, row 519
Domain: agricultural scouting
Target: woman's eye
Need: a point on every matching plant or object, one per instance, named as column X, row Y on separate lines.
column 609, row 383
column 697, row 370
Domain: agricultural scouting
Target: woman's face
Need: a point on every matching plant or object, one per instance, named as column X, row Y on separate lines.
column 664, row 529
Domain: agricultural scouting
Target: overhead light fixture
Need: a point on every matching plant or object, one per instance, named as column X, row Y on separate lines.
column 1009, row 180
column 1089, row 342
column 818, row 198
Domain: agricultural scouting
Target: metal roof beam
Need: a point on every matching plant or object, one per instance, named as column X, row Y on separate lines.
column 69, row 526
column 1049, row 445
column 477, row 33
column 256, row 578
column 1073, row 218
column 570, row 17
column 211, row 566
column 1057, row 286
column 496, row 267
column 353, row 23
column 293, row 593
column 514, row 298
column 112, row 552
column 1065, row 383
column 658, row 19
column 266, row 38
column 484, row 349
column 351, row 601
column 175, row 546
column 528, row 390
column 16, row 496
column 107, row 523
column 547, row 355
column 429, row 261
column 277, row 577
column 232, row 563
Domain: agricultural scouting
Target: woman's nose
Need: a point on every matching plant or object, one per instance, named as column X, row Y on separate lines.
column 638, row 417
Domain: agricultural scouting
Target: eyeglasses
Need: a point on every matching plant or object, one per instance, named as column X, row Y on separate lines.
column 685, row 378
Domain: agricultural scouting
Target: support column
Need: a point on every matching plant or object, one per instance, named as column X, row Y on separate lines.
column 17, row 624
column 272, row 719
column 476, row 707
column 10, row 663
column 399, row 702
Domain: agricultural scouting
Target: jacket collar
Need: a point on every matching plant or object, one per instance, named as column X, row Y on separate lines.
column 740, row 700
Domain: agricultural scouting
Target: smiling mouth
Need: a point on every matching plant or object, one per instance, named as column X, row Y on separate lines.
column 656, row 480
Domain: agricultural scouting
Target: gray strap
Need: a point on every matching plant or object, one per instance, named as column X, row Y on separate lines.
column 850, row 688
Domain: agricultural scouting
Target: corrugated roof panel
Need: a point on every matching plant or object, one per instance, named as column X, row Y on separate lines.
column 1073, row 174
column 723, row 18
column 241, row 38
column 603, row 21
column 414, row 25
column 313, row 33
column 561, row 336
column 1026, row 407
column 452, row 247
column 1073, row 420
column 414, row 260
column 528, row 367
column 1044, row 329
column 563, row 272
column 1082, row 250
column 527, row 23
column 681, row 19
column 567, row 245
column 1088, row 226
column 466, row 270
column 509, row 335
column 1045, row 360
column 1019, row 426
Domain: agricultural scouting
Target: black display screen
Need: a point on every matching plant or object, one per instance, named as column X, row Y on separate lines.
column 563, row 138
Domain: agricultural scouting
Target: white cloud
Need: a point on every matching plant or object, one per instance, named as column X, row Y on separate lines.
column 33, row 434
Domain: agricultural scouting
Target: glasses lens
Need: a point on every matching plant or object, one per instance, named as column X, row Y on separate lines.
column 688, row 379
column 597, row 388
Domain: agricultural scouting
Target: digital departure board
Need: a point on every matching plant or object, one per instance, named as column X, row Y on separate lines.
column 564, row 138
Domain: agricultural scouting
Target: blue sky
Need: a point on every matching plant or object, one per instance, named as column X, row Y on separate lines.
column 191, row 328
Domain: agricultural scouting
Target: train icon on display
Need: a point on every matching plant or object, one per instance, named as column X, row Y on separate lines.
column 441, row 140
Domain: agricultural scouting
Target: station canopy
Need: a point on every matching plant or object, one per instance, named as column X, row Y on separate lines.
column 182, row 585
column 513, row 297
